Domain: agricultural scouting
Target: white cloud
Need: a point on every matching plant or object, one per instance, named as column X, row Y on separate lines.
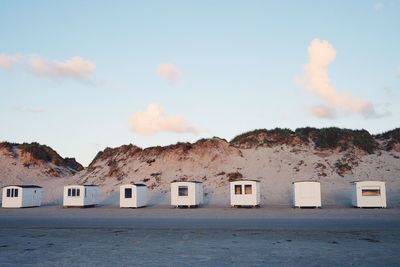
column 167, row 71
column 153, row 121
column 316, row 79
column 75, row 68
column 7, row 62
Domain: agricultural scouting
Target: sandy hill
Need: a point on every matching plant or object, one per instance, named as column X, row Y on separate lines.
column 276, row 157
column 36, row 164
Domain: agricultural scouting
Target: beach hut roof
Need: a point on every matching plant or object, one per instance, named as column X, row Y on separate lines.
column 244, row 180
column 24, row 186
column 353, row 182
column 134, row 184
column 86, row 185
column 302, row 181
column 198, row 182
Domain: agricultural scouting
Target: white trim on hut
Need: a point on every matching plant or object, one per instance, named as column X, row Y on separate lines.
column 188, row 194
column 369, row 194
column 80, row 195
column 21, row 196
column 132, row 195
column 306, row 194
column 245, row 193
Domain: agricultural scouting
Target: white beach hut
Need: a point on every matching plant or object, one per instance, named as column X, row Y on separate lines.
column 245, row 193
column 132, row 195
column 369, row 194
column 306, row 194
column 80, row 195
column 21, row 196
column 186, row 194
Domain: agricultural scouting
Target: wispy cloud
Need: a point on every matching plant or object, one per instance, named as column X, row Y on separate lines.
column 30, row 109
column 322, row 112
column 388, row 91
column 36, row 110
column 316, row 79
column 153, row 121
column 7, row 62
column 74, row 68
column 168, row 72
column 377, row 6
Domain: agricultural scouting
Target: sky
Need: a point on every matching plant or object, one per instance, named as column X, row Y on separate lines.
column 80, row 76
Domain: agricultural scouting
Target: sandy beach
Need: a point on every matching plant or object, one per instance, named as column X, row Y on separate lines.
column 163, row 236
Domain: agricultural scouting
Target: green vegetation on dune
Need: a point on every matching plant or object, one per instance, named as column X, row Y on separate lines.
column 39, row 152
column 325, row 138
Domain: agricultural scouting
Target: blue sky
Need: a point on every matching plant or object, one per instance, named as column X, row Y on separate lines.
column 109, row 73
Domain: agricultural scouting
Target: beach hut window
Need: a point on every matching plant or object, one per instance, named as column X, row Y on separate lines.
column 183, row 191
column 370, row 192
column 128, row 192
column 74, row 192
column 247, row 189
column 238, row 189
column 13, row 192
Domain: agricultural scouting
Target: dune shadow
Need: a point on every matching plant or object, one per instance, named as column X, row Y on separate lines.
column 158, row 198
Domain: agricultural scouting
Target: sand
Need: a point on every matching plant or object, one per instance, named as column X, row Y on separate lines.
column 162, row 236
